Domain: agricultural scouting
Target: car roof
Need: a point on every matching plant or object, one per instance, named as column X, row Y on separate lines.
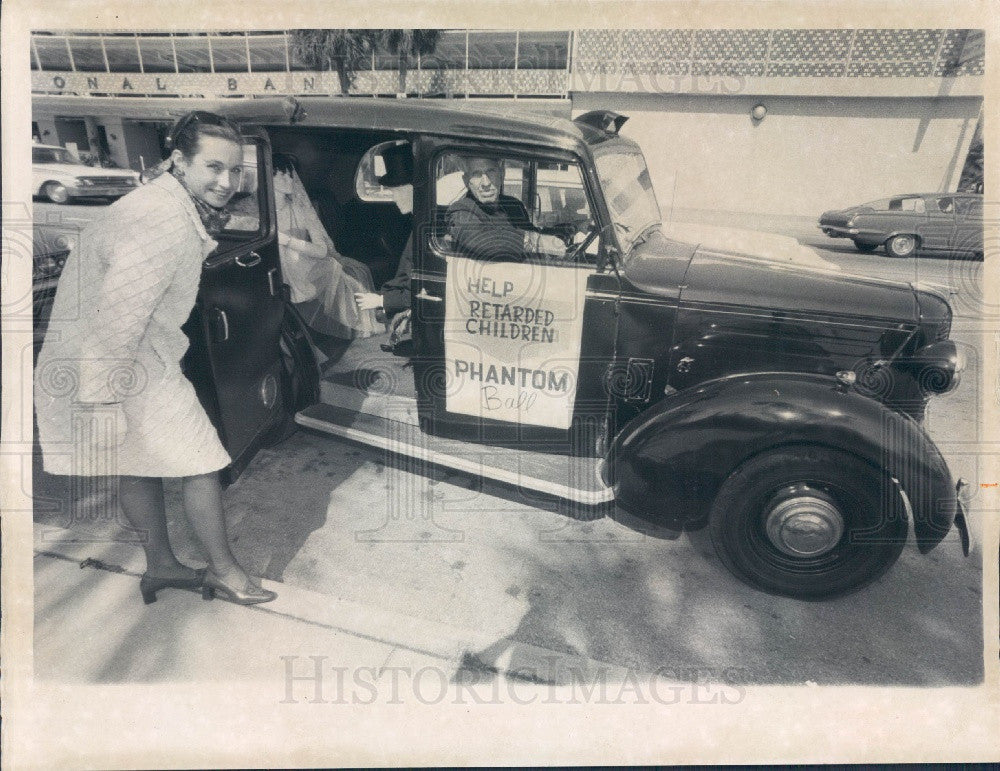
column 418, row 116
column 431, row 117
column 421, row 116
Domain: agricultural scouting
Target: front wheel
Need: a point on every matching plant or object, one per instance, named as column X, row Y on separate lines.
column 903, row 245
column 807, row 522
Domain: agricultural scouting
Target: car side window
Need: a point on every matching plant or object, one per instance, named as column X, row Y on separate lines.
column 907, row 204
column 245, row 208
column 503, row 208
column 945, row 205
column 562, row 199
column 969, row 207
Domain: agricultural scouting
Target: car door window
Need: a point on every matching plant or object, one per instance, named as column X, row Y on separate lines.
column 562, row 202
column 969, row 208
column 246, row 207
column 945, row 205
column 503, row 208
column 907, row 204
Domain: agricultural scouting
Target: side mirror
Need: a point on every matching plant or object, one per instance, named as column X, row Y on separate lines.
column 609, row 254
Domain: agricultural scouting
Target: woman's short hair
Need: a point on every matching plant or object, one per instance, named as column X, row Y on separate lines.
column 186, row 132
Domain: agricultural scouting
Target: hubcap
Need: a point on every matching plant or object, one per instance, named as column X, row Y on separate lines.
column 803, row 522
column 903, row 244
column 56, row 192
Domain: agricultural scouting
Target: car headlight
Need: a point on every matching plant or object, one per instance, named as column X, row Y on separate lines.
column 939, row 366
column 82, row 182
column 852, row 221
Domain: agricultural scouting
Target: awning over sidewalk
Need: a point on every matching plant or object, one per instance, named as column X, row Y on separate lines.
column 146, row 108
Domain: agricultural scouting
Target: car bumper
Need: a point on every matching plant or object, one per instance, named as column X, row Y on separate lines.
column 963, row 521
column 838, row 231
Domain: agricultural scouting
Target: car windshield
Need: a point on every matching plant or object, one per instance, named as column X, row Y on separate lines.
column 629, row 193
column 50, row 155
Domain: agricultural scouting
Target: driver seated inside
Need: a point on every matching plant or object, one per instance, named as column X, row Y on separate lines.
column 486, row 224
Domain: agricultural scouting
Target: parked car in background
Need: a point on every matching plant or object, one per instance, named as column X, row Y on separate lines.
column 59, row 177
column 945, row 224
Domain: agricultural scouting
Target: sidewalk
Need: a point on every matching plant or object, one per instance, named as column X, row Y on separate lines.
column 803, row 229
column 91, row 626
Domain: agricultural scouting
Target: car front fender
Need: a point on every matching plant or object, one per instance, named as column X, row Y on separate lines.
column 668, row 463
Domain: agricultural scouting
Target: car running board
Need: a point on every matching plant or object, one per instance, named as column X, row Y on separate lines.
column 570, row 478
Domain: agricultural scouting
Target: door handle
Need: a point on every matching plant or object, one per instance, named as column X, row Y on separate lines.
column 220, row 329
column 272, row 281
column 248, row 260
column 422, row 295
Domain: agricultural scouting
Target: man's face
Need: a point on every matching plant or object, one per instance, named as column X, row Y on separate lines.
column 483, row 178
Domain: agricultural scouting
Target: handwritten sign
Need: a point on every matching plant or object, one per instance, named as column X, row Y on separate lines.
column 512, row 340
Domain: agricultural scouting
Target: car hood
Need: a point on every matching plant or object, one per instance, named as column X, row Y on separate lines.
column 702, row 274
column 749, row 243
column 80, row 170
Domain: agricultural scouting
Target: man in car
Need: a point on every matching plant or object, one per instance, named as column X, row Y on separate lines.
column 486, row 224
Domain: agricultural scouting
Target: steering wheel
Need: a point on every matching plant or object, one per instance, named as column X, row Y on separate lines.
column 566, row 231
column 575, row 251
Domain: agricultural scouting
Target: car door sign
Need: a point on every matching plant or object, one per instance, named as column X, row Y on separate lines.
column 513, row 333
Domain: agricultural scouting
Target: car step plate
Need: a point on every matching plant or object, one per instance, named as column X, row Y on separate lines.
column 561, row 476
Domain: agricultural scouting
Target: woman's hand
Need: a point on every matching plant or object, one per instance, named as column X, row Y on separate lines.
column 368, row 301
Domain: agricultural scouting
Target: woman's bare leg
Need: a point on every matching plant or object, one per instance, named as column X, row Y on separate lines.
column 203, row 506
column 141, row 498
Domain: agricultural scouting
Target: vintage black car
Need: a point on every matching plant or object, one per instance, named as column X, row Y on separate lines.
column 941, row 224
column 776, row 404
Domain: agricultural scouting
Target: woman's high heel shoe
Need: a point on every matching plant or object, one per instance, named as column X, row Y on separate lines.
column 251, row 594
column 150, row 585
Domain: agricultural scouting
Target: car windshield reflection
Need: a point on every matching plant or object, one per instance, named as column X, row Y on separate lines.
column 50, row 155
column 628, row 190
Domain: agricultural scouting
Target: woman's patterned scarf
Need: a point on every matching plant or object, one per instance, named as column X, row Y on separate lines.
column 214, row 220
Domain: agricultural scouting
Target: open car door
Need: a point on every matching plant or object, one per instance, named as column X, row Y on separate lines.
column 235, row 358
column 530, row 412
column 514, row 350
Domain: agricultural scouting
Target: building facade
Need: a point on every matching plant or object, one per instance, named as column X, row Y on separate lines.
column 782, row 121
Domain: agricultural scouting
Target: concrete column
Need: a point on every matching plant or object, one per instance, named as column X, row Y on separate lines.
column 116, row 141
column 47, row 129
column 92, row 138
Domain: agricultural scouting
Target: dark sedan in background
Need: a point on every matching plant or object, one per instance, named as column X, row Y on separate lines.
column 944, row 224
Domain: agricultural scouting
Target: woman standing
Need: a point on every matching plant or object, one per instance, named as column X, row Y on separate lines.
column 109, row 392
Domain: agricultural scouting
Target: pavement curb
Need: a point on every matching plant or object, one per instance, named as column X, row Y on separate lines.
column 411, row 639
